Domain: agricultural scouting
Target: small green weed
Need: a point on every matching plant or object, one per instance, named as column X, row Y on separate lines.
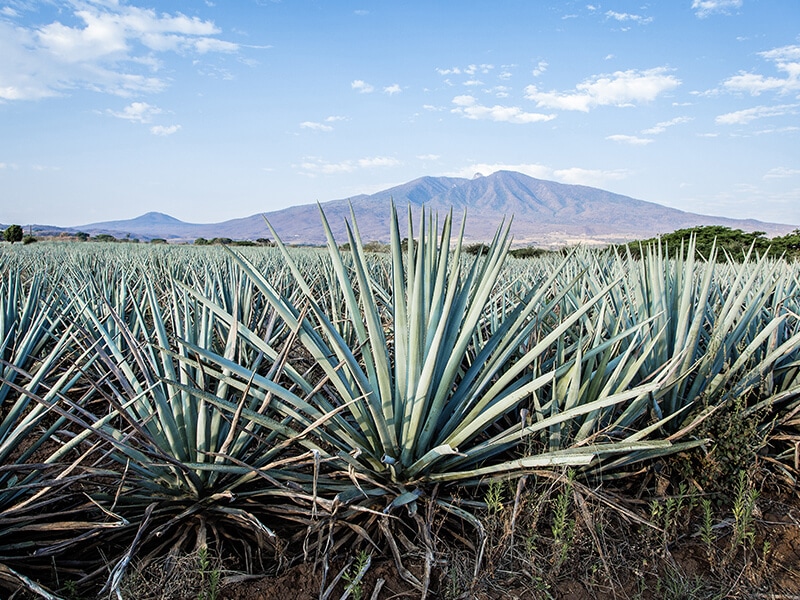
column 494, row 497
column 209, row 575
column 744, row 505
column 71, row 590
column 563, row 528
column 667, row 513
column 707, row 529
column 354, row 574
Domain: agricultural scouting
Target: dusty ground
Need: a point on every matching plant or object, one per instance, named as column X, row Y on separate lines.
column 770, row 569
column 619, row 561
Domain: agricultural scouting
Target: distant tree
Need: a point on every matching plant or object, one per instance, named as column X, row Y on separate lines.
column 529, row 252
column 376, row 247
column 733, row 243
column 28, row 239
column 201, row 241
column 265, row 242
column 13, row 234
column 158, row 241
column 476, row 248
column 105, row 237
column 404, row 244
column 787, row 245
column 82, row 236
column 221, row 240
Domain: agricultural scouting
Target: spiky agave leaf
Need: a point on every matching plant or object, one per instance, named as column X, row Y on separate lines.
column 427, row 395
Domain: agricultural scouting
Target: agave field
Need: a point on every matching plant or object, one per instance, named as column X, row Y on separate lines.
column 279, row 406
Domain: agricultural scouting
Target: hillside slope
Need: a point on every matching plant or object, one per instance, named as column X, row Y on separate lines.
column 545, row 213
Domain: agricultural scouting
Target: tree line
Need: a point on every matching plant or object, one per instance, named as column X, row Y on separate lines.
column 730, row 243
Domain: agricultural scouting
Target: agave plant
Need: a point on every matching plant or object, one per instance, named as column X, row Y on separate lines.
column 732, row 327
column 432, row 388
column 43, row 514
column 189, row 454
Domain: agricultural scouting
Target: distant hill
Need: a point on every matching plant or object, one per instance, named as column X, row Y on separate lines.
column 148, row 225
column 545, row 213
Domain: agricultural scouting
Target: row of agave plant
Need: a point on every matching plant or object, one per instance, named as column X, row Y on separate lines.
column 285, row 403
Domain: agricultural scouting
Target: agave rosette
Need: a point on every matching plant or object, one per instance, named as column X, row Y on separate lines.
column 437, row 384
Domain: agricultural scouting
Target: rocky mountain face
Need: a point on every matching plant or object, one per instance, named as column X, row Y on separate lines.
column 544, row 213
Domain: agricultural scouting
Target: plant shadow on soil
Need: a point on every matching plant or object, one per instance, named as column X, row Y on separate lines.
column 593, row 549
column 683, row 571
column 607, row 557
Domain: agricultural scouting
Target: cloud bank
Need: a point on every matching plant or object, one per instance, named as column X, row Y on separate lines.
column 622, row 88
column 106, row 46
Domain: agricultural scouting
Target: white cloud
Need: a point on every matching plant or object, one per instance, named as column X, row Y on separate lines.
column 334, row 118
column 470, row 70
column 783, row 54
column 622, row 17
column 315, row 126
column 532, row 170
column 501, row 91
column 703, row 8
column 429, row 157
column 622, row 88
column 630, row 139
column 378, row 161
column 315, row 166
column 590, row 177
column 163, row 130
column 573, row 175
column 771, row 130
column 110, row 49
column 392, row 89
column 540, row 68
column 139, row 112
column 473, row 69
column 755, row 84
column 109, row 32
column 662, row 127
column 362, row 86
column 781, row 173
column 786, row 59
column 743, row 117
column 205, row 45
column 468, row 107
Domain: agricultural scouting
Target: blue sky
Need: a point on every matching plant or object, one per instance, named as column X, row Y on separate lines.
column 212, row 110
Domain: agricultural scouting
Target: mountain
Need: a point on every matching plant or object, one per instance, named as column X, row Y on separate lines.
column 544, row 213
column 148, row 225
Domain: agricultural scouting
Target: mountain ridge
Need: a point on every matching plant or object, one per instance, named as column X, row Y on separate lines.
column 545, row 213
